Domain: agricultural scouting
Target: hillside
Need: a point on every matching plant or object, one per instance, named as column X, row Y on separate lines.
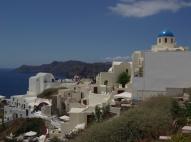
column 68, row 68
column 144, row 123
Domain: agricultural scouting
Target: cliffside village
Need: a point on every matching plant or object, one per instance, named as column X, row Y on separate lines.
column 162, row 70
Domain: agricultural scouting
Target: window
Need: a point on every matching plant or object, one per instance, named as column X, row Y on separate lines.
column 27, row 112
column 159, row 40
column 165, row 40
column 171, row 40
column 95, row 90
column 105, row 82
column 85, row 102
column 82, row 95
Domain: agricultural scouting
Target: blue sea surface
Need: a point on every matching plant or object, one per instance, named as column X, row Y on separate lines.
column 13, row 83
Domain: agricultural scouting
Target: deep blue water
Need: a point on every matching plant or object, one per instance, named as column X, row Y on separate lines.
column 13, row 83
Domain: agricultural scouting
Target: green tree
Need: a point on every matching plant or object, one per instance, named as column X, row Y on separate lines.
column 123, row 78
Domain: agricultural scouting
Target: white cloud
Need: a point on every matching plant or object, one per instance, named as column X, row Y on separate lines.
column 143, row 8
column 117, row 58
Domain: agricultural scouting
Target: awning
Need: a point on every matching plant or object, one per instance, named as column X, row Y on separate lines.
column 124, row 95
column 65, row 118
column 30, row 134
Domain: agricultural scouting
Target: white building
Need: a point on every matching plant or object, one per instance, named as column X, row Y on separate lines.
column 2, row 98
column 23, row 106
column 65, row 100
column 80, row 115
column 164, row 70
column 41, row 82
column 113, row 73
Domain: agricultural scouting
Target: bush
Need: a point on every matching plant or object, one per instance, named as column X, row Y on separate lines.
column 180, row 138
column 55, row 139
column 101, row 113
column 98, row 114
column 188, row 110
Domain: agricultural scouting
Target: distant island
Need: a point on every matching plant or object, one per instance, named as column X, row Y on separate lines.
column 68, row 68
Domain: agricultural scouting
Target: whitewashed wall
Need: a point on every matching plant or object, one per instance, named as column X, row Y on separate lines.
column 163, row 70
column 166, row 70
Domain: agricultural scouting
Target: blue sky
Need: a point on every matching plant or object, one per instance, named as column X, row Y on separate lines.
column 41, row 31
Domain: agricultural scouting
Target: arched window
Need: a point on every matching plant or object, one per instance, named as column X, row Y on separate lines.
column 172, row 40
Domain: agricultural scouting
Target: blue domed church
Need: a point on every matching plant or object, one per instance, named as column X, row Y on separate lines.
column 166, row 41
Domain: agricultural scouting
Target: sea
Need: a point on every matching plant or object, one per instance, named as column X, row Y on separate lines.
column 13, row 83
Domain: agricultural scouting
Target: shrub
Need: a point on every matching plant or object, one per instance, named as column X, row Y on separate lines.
column 101, row 113
column 55, row 139
column 188, row 110
column 180, row 138
column 98, row 114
